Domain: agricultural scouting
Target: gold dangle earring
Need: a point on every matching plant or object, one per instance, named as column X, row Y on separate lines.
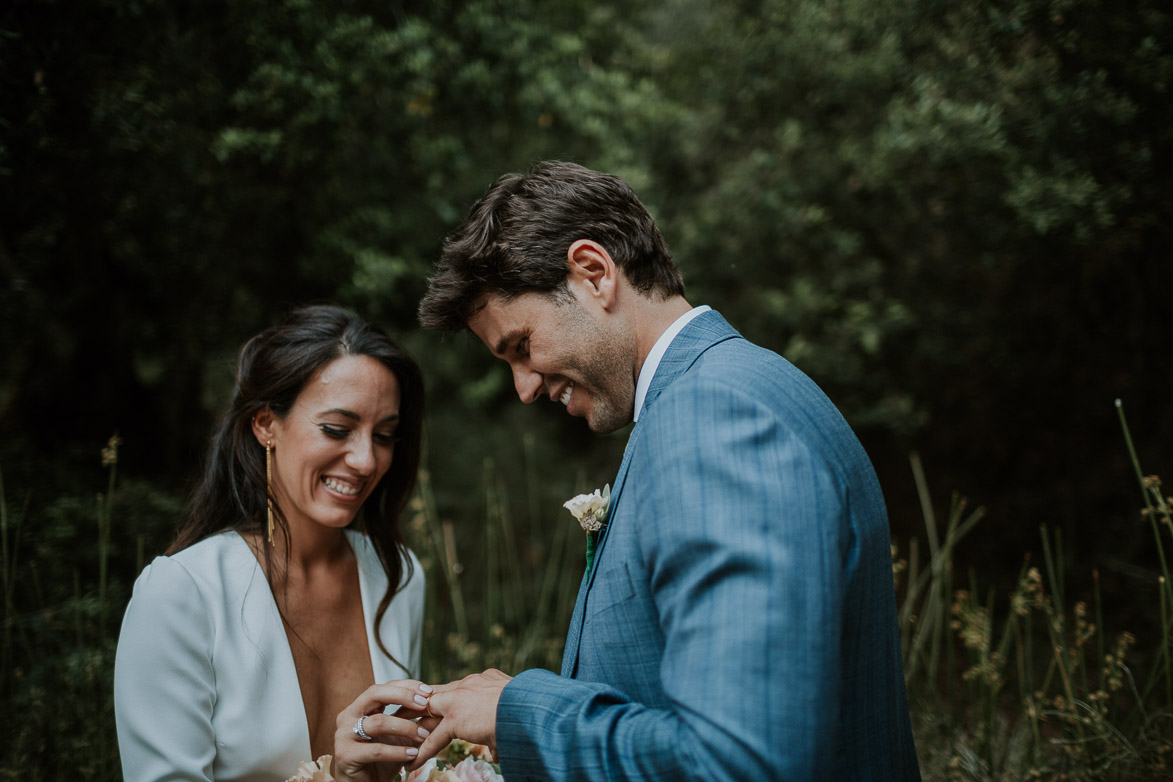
column 269, row 485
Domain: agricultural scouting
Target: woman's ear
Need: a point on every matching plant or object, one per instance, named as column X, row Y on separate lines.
column 263, row 427
column 590, row 263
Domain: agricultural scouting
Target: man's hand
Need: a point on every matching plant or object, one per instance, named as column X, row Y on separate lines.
column 467, row 710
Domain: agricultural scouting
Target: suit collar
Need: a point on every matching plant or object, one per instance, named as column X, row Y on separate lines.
column 700, row 334
column 656, row 354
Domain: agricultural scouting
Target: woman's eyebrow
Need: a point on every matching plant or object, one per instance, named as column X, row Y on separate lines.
column 348, row 413
column 356, row 417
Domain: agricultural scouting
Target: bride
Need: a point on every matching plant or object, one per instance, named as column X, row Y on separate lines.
column 288, row 592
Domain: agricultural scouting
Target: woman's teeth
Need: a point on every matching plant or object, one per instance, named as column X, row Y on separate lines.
column 565, row 399
column 339, row 487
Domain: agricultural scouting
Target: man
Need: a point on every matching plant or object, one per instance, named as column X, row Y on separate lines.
column 739, row 620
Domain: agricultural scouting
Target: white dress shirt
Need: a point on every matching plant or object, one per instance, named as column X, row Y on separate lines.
column 648, row 370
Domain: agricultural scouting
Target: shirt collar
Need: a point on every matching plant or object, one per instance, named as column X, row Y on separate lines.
column 652, row 362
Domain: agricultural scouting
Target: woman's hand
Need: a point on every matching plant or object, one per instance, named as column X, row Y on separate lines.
column 394, row 740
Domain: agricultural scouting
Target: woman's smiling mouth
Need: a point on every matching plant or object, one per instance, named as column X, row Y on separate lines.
column 341, row 488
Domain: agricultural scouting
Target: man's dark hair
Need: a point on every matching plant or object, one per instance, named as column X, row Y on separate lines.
column 516, row 237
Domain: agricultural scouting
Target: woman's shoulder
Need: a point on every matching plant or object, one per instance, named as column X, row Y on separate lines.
column 200, row 564
column 211, row 547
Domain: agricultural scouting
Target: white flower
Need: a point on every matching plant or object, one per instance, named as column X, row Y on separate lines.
column 590, row 509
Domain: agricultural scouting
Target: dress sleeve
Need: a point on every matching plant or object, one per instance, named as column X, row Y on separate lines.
column 164, row 683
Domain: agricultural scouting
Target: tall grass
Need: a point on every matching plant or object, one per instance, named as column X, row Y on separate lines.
column 523, row 574
column 1033, row 684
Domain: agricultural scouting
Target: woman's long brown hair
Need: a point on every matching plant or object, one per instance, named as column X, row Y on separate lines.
column 273, row 368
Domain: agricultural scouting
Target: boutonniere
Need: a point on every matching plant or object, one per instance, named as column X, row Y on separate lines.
column 591, row 512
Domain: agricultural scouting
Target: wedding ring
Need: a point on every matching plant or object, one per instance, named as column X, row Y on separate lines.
column 428, row 704
column 357, row 729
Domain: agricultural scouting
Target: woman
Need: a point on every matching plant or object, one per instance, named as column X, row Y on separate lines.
column 288, row 591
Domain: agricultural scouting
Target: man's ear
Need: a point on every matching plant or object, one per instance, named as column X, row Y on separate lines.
column 592, row 266
column 263, row 427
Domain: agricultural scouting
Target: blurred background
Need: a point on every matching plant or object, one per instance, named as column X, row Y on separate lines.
column 955, row 217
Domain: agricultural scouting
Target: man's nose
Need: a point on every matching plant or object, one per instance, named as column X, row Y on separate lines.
column 529, row 384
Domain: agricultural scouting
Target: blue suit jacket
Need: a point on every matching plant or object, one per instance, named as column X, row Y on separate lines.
column 740, row 620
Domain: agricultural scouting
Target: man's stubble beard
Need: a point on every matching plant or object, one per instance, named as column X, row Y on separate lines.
column 609, row 373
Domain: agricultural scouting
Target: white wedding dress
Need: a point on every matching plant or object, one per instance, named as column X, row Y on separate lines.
column 204, row 682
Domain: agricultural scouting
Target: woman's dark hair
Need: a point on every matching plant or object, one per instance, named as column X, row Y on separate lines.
column 273, row 368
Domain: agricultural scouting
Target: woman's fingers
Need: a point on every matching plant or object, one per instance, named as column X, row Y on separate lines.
column 407, row 693
column 367, row 739
column 437, row 740
column 370, row 762
column 390, row 729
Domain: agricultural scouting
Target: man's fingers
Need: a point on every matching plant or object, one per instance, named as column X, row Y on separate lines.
column 441, row 702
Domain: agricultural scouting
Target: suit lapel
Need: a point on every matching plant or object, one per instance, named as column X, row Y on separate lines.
column 574, row 632
column 704, row 331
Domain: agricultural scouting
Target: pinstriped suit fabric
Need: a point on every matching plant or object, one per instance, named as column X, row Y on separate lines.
column 740, row 621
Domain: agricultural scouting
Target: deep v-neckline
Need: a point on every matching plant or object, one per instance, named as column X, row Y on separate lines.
column 286, row 649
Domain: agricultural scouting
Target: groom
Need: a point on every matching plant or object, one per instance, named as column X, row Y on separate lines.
column 739, row 620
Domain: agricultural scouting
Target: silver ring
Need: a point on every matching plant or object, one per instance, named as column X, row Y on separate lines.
column 357, row 729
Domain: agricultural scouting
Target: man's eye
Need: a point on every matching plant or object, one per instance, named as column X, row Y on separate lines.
column 334, row 432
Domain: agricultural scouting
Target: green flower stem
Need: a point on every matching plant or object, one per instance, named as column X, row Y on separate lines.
column 592, row 541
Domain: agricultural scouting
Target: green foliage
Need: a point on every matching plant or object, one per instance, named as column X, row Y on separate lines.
column 62, row 610
column 941, row 212
column 959, row 176
column 953, row 216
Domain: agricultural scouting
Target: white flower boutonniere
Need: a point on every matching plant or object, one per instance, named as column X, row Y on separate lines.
column 591, row 512
column 590, row 509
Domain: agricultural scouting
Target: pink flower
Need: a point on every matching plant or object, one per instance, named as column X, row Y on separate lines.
column 314, row 771
column 468, row 770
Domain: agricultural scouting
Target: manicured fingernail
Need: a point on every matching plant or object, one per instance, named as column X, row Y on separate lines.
column 425, row 688
column 424, row 732
column 421, row 700
column 412, row 752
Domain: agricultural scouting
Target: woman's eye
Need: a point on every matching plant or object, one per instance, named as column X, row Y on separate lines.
column 335, row 432
column 387, row 439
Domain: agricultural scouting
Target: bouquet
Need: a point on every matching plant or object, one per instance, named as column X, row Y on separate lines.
column 460, row 761
column 314, row 770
